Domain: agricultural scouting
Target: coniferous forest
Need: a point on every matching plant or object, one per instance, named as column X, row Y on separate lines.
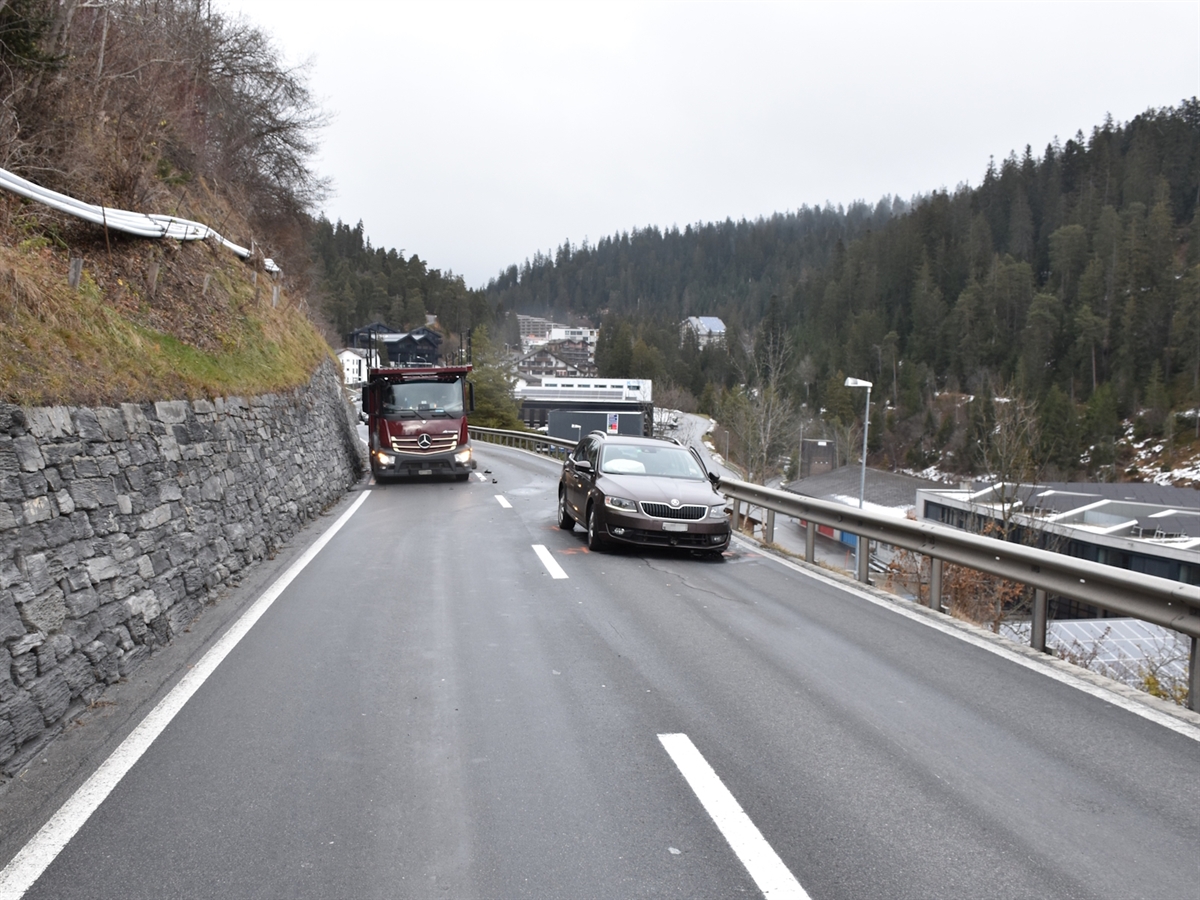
column 1067, row 280
column 1059, row 297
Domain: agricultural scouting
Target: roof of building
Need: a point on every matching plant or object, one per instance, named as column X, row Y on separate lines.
column 883, row 490
column 710, row 324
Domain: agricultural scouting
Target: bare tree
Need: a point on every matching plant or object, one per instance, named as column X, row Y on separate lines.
column 759, row 412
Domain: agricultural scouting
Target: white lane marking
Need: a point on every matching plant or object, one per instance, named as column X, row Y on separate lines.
column 1043, row 667
column 481, row 476
column 28, row 865
column 759, row 858
column 503, row 501
column 552, row 566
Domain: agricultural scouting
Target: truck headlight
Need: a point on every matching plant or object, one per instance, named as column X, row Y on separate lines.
column 463, row 456
column 620, row 503
column 385, row 459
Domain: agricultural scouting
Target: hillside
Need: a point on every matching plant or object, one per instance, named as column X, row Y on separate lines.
column 1066, row 287
column 165, row 108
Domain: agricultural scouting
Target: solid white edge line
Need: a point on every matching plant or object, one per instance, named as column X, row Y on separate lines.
column 552, row 566
column 1067, row 678
column 773, row 878
column 28, row 865
column 503, row 501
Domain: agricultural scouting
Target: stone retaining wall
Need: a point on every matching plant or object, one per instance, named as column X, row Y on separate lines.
column 116, row 524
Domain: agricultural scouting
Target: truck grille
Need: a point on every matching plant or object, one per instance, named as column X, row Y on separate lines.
column 663, row 511
column 442, row 443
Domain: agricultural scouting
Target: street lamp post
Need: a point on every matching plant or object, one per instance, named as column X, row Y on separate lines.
column 861, row 558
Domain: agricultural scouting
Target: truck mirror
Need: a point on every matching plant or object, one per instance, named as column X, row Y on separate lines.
column 471, row 396
column 366, row 398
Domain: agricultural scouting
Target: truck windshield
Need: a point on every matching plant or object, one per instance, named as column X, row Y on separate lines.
column 426, row 399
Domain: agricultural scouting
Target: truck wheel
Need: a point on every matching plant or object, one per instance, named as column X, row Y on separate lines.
column 565, row 522
column 594, row 541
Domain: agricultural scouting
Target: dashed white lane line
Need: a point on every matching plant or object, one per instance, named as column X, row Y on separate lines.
column 29, row 864
column 761, row 861
column 503, row 501
column 552, row 566
column 481, row 476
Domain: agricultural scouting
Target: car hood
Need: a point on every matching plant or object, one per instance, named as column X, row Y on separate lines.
column 660, row 489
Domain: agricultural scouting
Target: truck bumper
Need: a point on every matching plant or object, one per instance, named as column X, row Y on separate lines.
column 388, row 464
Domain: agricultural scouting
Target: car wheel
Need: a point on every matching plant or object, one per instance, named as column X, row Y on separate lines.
column 594, row 541
column 565, row 522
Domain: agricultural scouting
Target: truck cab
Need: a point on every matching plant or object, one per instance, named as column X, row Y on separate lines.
column 417, row 421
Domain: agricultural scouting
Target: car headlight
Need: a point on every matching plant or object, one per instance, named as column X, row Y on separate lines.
column 463, row 456
column 620, row 503
column 718, row 512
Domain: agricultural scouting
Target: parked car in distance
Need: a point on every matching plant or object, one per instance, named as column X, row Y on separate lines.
column 641, row 491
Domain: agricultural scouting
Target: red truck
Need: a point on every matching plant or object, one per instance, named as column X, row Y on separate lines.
column 417, row 420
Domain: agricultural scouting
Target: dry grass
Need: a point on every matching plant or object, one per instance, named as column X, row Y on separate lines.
column 126, row 335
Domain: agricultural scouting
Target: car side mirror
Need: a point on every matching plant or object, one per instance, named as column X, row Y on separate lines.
column 714, row 478
column 583, row 465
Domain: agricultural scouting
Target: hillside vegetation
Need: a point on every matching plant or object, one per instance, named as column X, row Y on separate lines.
column 1059, row 299
column 162, row 107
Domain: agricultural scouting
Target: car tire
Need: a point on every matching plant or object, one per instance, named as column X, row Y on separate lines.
column 565, row 520
column 594, row 541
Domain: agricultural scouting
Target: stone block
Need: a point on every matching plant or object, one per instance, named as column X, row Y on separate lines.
column 8, row 743
column 171, row 412
column 152, row 518
column 169, row 491
column 124, row 504
column 47, row 611
column 87, row 426
column 93, row 493
column 77, row 672
column 65, row 502
column 112, row 424
column 26, row 643
column 81, row 602
column 134, row 419
column 11, row 625
column 57, row 531
column 8, row 519
column 49, row 423
column 61, row 454
column 22, row 713
column 52, row 695
column 36, row 510
column 12, row 418
column 132, row 659
column 23, row 669
column 29, row 453
column 102, row 568
column 47, row 658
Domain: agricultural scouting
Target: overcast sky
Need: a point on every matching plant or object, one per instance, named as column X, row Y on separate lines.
column 476, row 134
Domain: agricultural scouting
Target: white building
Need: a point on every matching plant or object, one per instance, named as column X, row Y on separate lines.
column 707, row 329
column 355, row 364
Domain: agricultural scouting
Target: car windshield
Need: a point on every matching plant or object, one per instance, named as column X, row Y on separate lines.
column 424, row 399
column 671, row 462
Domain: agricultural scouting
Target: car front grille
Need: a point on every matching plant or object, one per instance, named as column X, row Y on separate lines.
column 439, row 444
column 664, row 511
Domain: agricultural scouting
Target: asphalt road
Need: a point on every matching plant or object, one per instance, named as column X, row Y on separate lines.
column 426, row 711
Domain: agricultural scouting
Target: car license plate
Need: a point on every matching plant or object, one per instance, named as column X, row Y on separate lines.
column 674, row 526
column 424, row 471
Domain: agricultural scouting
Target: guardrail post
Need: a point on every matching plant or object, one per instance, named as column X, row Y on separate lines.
column 810, row 541
column 769, row 527
column 1194, row 676
column 737, row 515
column 1037, row 633
column 864, row 558
column 935, row 584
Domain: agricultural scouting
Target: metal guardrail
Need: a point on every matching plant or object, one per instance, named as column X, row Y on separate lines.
column 1171, row 604
column 533, row 441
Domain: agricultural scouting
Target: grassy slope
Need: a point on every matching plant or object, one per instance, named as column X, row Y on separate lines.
column 115, row 340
